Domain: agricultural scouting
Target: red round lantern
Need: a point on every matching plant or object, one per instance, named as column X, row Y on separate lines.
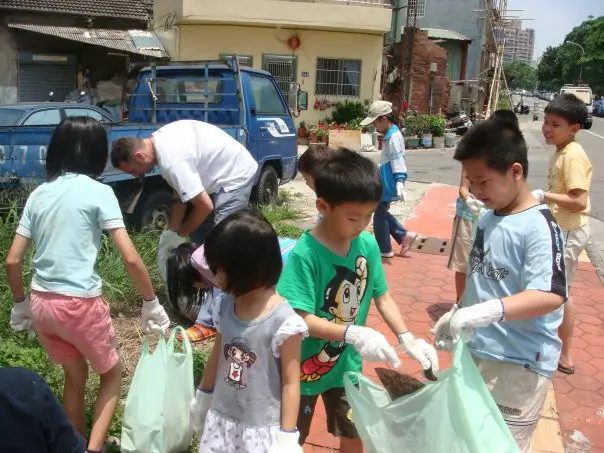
column 293, row 43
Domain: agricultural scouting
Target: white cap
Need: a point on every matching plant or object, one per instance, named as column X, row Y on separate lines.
column 377, row 109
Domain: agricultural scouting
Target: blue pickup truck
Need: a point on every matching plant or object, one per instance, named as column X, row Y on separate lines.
column 246, row 103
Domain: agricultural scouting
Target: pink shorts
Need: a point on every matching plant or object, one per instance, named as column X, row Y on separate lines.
column 75, row 328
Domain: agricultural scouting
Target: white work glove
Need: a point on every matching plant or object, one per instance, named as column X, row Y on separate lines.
column 21, row 317
column 468, row 318
column 372, row 345
column 153, row 317
column 198, row 410
column 168, row 241
column 474, row 205
column 419, row 350
column 539, row 195
column 401, row 191
column 443, row 339
column 286, row 442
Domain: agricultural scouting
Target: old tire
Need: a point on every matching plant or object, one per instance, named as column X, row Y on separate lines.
column 266, row 191
column 154, row 210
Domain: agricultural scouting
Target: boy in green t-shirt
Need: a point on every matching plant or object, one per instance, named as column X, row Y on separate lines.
column 330, row 278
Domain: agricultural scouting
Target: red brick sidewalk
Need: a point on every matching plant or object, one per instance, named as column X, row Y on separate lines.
column 423, row 288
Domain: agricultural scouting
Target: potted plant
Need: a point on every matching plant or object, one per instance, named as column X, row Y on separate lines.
column 302, row 130
column 322, row 133
column 437, row 125
column 312, row 134
column 413, row 129
column 426, row 133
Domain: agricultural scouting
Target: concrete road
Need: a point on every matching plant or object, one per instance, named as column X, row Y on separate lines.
column 439, row 166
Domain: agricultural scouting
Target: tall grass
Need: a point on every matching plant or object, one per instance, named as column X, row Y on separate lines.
column 16, row 349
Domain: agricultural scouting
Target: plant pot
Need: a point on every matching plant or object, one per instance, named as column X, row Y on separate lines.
column 312, row 138
column 427, row 140
column 413, row 142
column 450, row 140
column 438, row 142
column 301, row 132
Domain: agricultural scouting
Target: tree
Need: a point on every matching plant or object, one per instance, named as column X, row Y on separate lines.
column 564, row 63
column 549, row 71
column 520, row 74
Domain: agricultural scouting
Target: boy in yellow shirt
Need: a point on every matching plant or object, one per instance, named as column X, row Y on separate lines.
column 569, row 180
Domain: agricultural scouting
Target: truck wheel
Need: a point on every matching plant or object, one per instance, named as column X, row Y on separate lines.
column 155, row 210
column 268, row 186
column 587, row 125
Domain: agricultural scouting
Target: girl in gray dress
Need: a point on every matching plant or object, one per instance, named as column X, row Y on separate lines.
column 249, row 395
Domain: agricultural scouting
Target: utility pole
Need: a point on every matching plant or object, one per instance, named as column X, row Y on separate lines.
column 582, row 56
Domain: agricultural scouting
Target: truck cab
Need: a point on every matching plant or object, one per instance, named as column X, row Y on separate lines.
column 584, row 93
column 247, row 103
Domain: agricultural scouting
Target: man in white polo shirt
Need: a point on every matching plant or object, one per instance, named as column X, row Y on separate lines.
column 207, row 169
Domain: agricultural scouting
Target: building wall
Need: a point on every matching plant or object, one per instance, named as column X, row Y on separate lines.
column 200, row 42
column 460, row 16
column 425, row 53
column 12, row 41
column 364, row 15
column 8, row 68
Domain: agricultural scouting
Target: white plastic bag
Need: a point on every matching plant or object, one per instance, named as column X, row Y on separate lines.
column 156, row 416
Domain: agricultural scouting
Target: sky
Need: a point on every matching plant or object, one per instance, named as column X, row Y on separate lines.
column 553, row 19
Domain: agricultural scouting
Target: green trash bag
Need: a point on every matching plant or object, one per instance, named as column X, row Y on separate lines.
column 455, row 414
column 156, row 417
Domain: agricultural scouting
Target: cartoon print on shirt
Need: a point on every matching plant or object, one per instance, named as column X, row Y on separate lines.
column 341, row 303
column 478, row 260
column 239, row 357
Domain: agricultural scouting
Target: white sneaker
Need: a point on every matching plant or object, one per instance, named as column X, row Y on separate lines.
column 388, row 255
column 407, row 243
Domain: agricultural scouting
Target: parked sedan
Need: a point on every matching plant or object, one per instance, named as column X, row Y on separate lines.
column 48, row 113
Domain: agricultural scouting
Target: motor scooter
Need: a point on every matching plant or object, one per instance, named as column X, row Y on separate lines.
column 459, row 122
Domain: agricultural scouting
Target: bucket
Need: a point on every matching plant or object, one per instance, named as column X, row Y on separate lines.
column 450, row 140
column 427, row 140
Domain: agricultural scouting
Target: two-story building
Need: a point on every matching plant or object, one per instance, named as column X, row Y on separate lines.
column 65, row 46
column 332, row 48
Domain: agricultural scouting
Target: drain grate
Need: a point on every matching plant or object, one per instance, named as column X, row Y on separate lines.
column 434, row 246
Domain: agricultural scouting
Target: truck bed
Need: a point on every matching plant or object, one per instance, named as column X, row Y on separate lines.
column 23, row 149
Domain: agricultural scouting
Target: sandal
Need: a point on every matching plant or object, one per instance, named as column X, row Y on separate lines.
column 566, row 370
column 198, row 332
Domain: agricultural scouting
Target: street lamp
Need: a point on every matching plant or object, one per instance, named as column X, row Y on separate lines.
column 582, row 55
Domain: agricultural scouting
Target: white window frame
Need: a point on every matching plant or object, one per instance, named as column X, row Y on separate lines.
column 243, row 60
column 421, row 7
column 339, row 82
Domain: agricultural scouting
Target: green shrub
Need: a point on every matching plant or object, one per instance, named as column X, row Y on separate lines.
column 349, row 111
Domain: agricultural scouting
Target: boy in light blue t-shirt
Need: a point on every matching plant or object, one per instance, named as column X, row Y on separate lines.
column 516, row 286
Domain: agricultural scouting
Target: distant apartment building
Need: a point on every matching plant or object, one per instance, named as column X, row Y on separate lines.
column 519, row 43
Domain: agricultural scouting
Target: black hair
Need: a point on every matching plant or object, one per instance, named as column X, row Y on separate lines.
column 313, row 158
column 123, row 148
column 499, row 143
column 78, row 145
column 505, row 115
column 569, row 107
column 246, row 248
column 348, row 177
column 181, row 278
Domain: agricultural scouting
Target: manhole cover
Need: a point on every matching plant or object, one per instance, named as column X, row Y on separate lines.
column 434, row 246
